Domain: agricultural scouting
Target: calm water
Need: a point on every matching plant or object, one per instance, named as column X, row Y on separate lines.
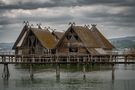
column 98, row 77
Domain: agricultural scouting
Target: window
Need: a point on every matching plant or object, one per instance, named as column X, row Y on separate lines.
column 73, row 38
column 68, row 37
column 71, row 31
column 76, row 37
column 73, row 49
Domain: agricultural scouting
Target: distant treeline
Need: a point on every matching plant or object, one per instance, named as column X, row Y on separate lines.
column 126, row 42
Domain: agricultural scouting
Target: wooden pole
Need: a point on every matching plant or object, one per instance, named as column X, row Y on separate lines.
column 31, row 71
column 110, row 58
column 6, row 73
column 113, row 74
column 57, row 71
column 88, row 58
column 125, row 58
column 84, row 71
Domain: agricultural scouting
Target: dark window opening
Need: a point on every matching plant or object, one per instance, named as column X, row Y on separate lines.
column 68, row 37
column 29, row 43
column 76, row 37
column 71, row 31
column 73, row 49
column 34, row 43
column 73, row 38
column 33, row 51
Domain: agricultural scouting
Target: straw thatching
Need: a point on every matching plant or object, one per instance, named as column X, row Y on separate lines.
column 100, row 39
column 93, row 41
column 86, row 37
column 84, row 44
column 83, row 34
column 45, row 37
column 57, row 35
column 82, row 40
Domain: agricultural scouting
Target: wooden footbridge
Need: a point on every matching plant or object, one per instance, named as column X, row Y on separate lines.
column 11, row 58
column 67, row 59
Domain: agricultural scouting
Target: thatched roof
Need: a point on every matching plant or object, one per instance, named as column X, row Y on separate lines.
column 85, row 36
column 101, row 40
column 93, row 51
column 83, row 33
column 45, row 37
column 25, row 28
column 57, row 34
column 91, row 38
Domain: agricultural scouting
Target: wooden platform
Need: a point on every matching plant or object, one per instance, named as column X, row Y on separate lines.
column 58, row 59
column 67, row 59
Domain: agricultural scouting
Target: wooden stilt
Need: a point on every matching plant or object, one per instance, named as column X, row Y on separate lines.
column 88, row 58
column 113, row 74
column 57, row 71
column 110, row 58
column 125, row 58
column 84, row 71
column 31, row 71
column 5, row 73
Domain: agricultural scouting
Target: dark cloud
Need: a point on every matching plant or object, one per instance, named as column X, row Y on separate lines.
column 65, row 3
column 6, row 21
column 113, row 14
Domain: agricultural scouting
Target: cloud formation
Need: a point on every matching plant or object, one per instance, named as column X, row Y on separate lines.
column 34, row 4
column 115, row 18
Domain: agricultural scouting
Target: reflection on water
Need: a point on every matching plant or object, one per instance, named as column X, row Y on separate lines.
column 72, row 77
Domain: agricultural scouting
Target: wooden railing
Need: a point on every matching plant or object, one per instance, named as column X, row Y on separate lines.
column 7, row 52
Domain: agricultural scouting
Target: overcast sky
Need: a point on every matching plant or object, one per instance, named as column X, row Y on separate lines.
column 114, row 18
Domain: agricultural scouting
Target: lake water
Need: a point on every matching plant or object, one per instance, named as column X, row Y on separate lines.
column 97, row 77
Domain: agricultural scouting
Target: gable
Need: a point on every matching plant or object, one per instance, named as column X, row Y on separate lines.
column 77, row 36
column 22, row 39
column 17, row 42
column 27, row 41
column 86, row 37
column 46, row 39
column 71, row 44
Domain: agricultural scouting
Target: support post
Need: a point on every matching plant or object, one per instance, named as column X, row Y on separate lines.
column 84, row 71
column 125, row 58
column 31, row 71
column 57, row 59
column 57, row 71
column 91, row 58
column 6, row 73
column 110, row 60
column 113, row 72
column 68, row 58
column 78, row 59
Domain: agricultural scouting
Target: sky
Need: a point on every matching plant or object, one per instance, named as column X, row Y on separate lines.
column 114, row 18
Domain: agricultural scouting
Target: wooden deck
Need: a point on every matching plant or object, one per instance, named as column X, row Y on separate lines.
column 58, row 59
column 67, row 59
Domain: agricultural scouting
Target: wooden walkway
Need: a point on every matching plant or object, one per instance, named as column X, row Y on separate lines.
column 58, row 59
column 67, row 59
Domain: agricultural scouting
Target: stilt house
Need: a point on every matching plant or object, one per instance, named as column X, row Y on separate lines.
column 76, row 40
column 35, row 41
column 82, row 40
